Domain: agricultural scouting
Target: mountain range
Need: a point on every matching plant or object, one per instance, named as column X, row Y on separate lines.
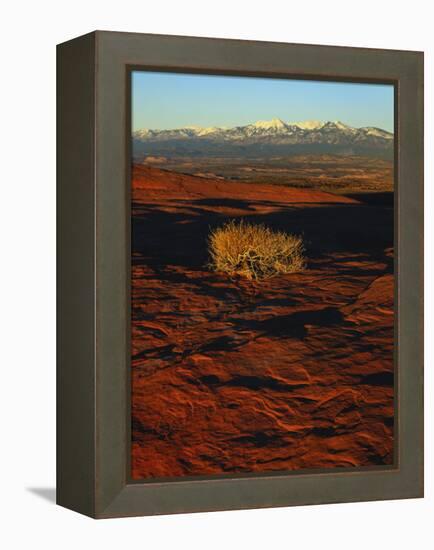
column 264, row 138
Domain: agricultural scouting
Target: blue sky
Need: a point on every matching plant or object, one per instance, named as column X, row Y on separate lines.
column 170, row 100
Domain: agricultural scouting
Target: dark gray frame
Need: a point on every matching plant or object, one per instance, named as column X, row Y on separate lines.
column 93, row 273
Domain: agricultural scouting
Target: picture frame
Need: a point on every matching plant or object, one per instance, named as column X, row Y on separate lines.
column 94, row 241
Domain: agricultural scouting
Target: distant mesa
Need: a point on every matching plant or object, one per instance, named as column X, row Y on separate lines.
column 264, row 137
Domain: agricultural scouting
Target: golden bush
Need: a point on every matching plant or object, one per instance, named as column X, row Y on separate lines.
column 254, row 251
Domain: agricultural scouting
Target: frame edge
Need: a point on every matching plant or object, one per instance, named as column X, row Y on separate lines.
column 75, row 407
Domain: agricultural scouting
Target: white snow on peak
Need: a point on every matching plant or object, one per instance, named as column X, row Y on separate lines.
column 210, row 130
column 274, row 123
column 308, row 124
column 199, row 130
column 377, row 132
column 142, row 132
column 341, row 125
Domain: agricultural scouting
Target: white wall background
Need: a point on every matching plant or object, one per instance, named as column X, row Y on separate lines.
column 29, row 32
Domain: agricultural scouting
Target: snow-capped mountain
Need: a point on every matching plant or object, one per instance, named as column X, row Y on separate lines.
column 265, row 137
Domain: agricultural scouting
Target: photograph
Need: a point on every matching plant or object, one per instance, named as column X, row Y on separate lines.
column 262, row 276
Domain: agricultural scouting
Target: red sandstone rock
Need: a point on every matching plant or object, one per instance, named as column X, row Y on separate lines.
column 231, row 375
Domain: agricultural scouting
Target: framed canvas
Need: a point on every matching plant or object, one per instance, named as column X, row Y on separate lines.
column 240, row 274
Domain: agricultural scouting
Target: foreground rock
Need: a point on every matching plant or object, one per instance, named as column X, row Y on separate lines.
column 230, row 375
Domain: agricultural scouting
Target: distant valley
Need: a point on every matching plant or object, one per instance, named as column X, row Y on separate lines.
column 339, row 174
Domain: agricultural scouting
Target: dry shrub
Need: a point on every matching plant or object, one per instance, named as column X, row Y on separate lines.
column 254, row 251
